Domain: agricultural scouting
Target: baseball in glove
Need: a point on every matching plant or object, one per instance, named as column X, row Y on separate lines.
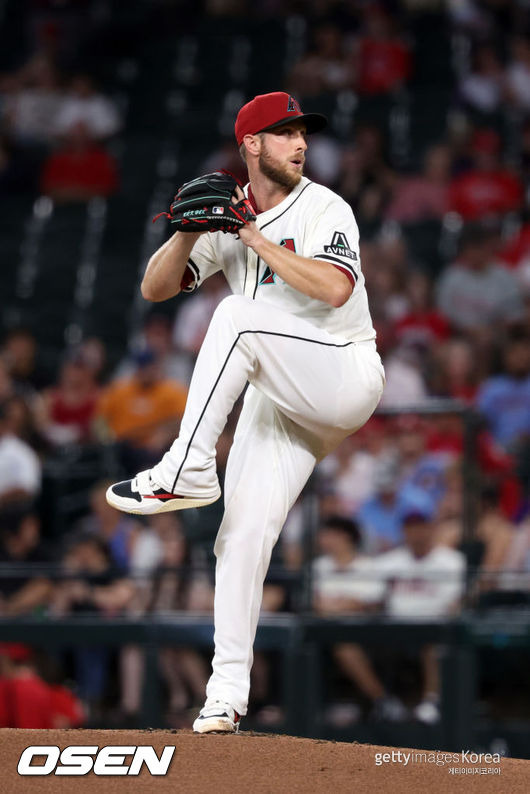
column 207, row 204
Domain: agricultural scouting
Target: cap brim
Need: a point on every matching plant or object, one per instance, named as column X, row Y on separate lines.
column 314, row 122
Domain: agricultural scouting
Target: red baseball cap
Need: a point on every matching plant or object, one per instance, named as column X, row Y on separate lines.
column 267, row 111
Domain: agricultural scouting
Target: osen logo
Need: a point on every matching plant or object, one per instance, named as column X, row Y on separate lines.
column 82, row 759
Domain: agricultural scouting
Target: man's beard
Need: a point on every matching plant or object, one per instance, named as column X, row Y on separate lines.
column 279, row 175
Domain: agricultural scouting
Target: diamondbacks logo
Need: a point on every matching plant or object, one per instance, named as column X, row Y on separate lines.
column 293, row 106
column 269, row 276
column 340, row 246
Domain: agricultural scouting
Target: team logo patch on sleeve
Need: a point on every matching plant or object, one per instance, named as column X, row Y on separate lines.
column 340, row 247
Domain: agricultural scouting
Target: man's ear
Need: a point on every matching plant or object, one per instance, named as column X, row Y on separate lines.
column 253, row 144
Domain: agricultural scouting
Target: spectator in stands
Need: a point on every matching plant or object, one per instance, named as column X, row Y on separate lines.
column 93, row 352
column 323, row 160
column 324, row 68
column 27, row 700
column 380, row 516
column 422, row 324
column 20, row 468
column 118, row 530
column 24, row 697
column 424, row 196
column 364, row 165
column 79, row 169
column 423, row 474
column 91, row 586
column 142, row 412
column 483, row 88
column 22, row 407
column 474, row 293
column 34, row 100
column 487, row 551
column 386, row 267
column 174, row 587
column 21, row 422
column 157, row 335
column 19, row 352
column 20, row 549
column 518, row 73
column 382, row 61
column 341, row 585
column 504, row 400
column 83, row 104
column 193, row 317
column 350, row 471
column 69, row 407
column 226, row 157
column 420, row 579
column 405, row 378
column 455, row 370
column 488, row 188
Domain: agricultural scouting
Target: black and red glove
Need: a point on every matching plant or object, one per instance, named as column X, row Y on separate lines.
column 209, row 204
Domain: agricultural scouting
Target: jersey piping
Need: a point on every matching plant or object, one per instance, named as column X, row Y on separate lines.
column 286, row 209
column 337, row 263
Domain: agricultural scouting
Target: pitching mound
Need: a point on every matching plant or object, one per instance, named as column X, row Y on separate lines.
column 260, row 763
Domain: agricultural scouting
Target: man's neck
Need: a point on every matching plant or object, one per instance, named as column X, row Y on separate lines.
column 265, row 193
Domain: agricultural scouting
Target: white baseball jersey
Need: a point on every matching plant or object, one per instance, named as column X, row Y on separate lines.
column 313, row 222
column 418, row 587
column 354, row 580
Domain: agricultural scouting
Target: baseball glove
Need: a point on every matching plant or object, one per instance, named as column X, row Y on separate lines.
column 206, row 204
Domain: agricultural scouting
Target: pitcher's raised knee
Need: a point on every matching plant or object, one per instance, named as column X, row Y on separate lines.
column 236, row 308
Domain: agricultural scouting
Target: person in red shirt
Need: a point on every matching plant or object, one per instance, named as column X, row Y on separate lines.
column 487, row 188
column 80, row 168
column 423, row 196
column 69, row 406
column 26, row 700
column 422, row 324
column 383, row 61
column 25, row 696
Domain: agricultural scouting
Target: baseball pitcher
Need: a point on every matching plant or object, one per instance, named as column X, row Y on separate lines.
column 297, row 329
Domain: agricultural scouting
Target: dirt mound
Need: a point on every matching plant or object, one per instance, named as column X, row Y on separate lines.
column 262, row 764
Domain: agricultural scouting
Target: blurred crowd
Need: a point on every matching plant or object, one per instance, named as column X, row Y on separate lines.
column 445, row 249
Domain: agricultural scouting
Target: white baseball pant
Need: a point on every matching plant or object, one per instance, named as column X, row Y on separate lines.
column 308, row 391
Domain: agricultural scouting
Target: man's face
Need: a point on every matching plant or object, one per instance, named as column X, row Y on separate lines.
column 332, row 541
column 282, row 155
column 418, row 534
column 517, row 359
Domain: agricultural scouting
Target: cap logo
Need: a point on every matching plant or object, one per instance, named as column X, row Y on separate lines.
column 293, row 106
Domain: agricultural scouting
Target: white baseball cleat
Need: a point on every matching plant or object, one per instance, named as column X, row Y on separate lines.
column 143, row 496
column 217, row 717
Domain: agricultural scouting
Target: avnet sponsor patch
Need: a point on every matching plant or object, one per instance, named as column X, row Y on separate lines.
column 340, row 247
